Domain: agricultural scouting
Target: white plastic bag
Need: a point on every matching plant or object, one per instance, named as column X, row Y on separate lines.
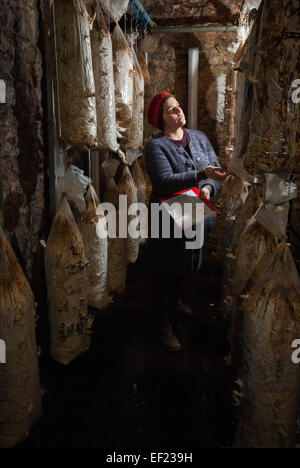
column 91, row 224
column 74, row 185
column 248, row 210
column 115, row 9
column 144, row 67
column 140, row 183
column 117, row 247
column 127, row 187
column 75, row 73
column 268, row 411
column 110, row 168
column 65, row 264
column 20, row 393
column 236, row 166
column 264, row 230
column 255, row 247
column 233, row 195
column 102, row 53
column 278, row 191
column 274, row 219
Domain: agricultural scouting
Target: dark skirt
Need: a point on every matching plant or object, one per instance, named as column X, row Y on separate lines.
column 171, row 255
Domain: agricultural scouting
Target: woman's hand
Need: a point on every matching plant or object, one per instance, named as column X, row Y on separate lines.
column 205, row 193
column 213, row 172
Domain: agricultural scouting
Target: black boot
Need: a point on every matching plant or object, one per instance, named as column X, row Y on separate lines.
column 183, row 309
column 168, row 340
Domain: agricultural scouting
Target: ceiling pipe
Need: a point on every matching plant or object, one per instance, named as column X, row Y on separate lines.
column 194, row 29
column 193, row 88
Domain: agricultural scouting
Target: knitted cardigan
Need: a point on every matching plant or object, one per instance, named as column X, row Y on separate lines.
column 171, row 169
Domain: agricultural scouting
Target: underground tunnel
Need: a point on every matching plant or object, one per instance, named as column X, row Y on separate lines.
column 149, row 226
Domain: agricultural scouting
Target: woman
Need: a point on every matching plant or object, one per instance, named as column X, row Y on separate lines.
column 176, row 159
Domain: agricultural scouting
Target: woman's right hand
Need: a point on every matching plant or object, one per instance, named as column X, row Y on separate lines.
column 213, row 172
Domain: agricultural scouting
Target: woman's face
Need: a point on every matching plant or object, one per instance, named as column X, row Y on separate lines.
column 173, row 115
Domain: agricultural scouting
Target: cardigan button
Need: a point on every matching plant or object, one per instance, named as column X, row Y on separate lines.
column 198, row 159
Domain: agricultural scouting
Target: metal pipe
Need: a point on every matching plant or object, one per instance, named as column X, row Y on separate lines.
column 142, row 13
column 194, row 29
column 193, row 88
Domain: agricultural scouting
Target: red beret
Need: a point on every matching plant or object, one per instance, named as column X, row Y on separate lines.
column 154, row 109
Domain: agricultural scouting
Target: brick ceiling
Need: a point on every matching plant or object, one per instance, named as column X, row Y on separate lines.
column 180, row 12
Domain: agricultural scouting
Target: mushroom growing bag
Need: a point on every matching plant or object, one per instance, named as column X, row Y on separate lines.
column 257, row 243
column 102, row 53
column 74, row 185
column 65, row 263
column 76, row 87
column 274, row 128
column 270, row 379
column 123, row 72
column 126, row 186
column 140, row 183
column 232, row 198
column 136, row 132
column 117, row 247
column 144, row 67
column 115, row 9
column 247, row 211
column 92, row 227
column 20, row 393
column 233, row 195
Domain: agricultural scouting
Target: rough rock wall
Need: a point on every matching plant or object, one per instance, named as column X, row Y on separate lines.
column 175, row 12
column 168, row 67
column 21, row 134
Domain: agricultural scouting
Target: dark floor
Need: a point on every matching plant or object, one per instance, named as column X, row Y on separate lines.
column 127, row 392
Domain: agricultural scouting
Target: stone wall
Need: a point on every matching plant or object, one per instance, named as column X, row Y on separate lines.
column 21, row 135
column 168, row 67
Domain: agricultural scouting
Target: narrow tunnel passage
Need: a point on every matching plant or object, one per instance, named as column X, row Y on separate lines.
column 129, row 392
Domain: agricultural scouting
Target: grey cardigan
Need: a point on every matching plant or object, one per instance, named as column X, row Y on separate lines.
column 171, row 169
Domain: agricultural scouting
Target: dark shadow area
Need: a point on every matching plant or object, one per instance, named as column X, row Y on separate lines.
column 128, row 392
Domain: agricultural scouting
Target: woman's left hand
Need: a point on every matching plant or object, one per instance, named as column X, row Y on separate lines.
column 205, row 193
